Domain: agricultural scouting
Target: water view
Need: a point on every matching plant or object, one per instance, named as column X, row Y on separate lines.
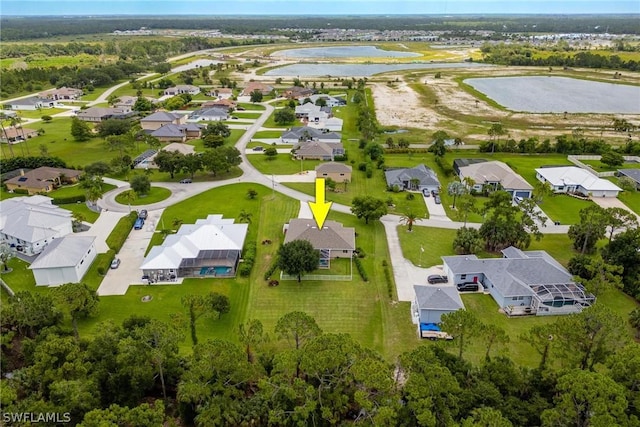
column 198, row 63
column 357, row 70
column 343, row 52
column 541, row 94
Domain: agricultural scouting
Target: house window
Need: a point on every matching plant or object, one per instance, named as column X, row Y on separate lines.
column 463, row 276
column 82, row 261
column 341, row 174
column 520, row 298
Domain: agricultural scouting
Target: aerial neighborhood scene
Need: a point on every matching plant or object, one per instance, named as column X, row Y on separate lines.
column 366, row 213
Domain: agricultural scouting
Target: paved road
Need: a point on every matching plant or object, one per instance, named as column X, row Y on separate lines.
column 102, row 228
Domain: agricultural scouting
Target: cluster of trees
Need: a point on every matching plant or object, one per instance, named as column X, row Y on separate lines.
column 621, row 249
column 34, row 79
column 134, row 374
column 217, row 160
column 528, row 55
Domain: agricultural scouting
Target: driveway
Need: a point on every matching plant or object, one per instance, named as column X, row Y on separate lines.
column 612, row 202
column 435, row 211
column 131, row 256
column 102, row 228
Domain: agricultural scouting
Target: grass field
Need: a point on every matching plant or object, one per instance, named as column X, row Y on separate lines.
column 81, row 208
column 244, row 115
column 598, row 166
column 37, row 114
column 564, row 208
column 283, row 164
column 631, row 199
column 157, row 194
column 267, row 134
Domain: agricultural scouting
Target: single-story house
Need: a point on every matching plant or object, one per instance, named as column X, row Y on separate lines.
column 224, row 103
column 160, row 118
column 432, row 302
column 127, row 101
column 418, row 178
column 211, row 247
column 261, row 87
column 333, row 241
column 13, row 135
column 334, row 124
column 313, row 150
column 329, row 100
column 31, row 103
column 214, row 114
column 296, row 92
column 64, row 260
column 339, row 172
column 221, row 93
column 572, row 179
column 28, row 224
column 529, row 282
column 306, row 133
column 43, row 179
column 633, row 174
column 61, row 93
column 179, row 133
column 497, row 175
column 99, row 114
column 312, row 112
column 180, row 89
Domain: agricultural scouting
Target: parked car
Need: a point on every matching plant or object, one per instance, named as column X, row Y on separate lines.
column 138, row 224
column 425, row 193
column 234, row 118
column 115, row 263
column 142, row 214
column 436, row 335
column 434, row 193
column 259, row 148
column 186, row 181
column 436, row 278
column 468, row 287
column 437, row 200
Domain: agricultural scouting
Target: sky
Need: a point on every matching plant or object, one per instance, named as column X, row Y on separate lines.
column 312, row 7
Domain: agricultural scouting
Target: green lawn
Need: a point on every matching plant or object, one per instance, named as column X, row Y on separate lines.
column 437, row 242
column 250, row 106
column 157, row 194
column 598, row 166
column 267, row 134
column 283, row 164
column 631, row 199
column 230, row 140
column 36, row 114
column 89, row 215
column 564, row 208
column 75, row 190
column 243, row 115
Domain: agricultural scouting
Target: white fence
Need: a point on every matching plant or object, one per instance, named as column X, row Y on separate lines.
column 576, row 160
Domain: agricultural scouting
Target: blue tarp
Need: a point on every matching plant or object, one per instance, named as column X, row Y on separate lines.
column 429, row 327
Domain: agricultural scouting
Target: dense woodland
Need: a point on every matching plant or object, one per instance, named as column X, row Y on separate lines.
column 14, row 28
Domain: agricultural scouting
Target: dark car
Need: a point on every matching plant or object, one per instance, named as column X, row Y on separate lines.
column 436, row 278
column 186, row 181
column 468, row 287
column 138, row 224
column 259, row 148
column 142, row 214
column 434, row 193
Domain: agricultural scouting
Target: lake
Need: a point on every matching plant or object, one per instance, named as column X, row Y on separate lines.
column 343, row 52
column 541, row 94
column 364, row 70
column 198, row 63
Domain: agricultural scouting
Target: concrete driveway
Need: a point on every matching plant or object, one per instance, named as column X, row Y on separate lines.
column 117, row 281
column 102, row 228
column 435, row 211
column 612, row 202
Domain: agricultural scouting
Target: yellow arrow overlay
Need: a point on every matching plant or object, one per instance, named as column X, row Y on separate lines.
column 320, row 208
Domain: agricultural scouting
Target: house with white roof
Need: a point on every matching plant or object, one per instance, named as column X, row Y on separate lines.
column 572, row 179
column 64, row 260
column 29, row 224
column 209, row 248
column 497, row 175
column 529, row 282
column 180, row 89
column 305, row 133
column 31, row 103
column 329, row 100
column 333, row 124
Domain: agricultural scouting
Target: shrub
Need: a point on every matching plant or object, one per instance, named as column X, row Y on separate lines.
column 361, row 271
column 362, row 166
column 121, row 231
column 248, row 259
column 21, row 191
column 70, row 199
column 269, row 272
column 32, row 162
column 388, row 278
column 369, row 170
column 410, row 196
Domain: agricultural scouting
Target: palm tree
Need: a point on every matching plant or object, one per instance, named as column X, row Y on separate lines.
column 177, row 222
column 245, row 216
column 130, row 196
column 456, row 189
column 93, row 189
column 409, row 218
column 78, row 218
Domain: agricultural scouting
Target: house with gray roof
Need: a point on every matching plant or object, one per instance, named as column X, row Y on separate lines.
column 431, row 302
column 211, row 247
column 180, row 89
column 306, row 133
column 31, row 103
column 29, row 224
column 332, row 241
column 64, row 260
column 177, row 133
column 161, row 118
column 496, row 175
column 62, row 93
column 529, row 282
column 214, row 114
column 633, row 174
column 99, row 114
column 417, row 178
column 312, row 150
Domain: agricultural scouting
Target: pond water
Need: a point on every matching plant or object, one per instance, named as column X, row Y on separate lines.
column 355, row 70
column 343, row 52
column 541, row 94
column 199, row 63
